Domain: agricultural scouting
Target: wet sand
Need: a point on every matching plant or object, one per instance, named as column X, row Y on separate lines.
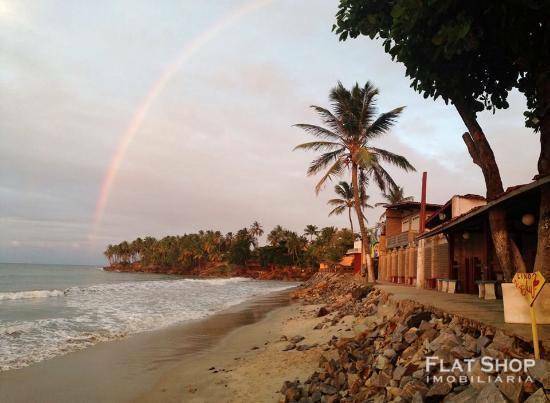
column 134, row 367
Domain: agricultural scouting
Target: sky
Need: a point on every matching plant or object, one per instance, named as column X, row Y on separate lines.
column 213, row 149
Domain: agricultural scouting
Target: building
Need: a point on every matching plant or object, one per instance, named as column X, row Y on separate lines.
column 352, row 258
column 397, row 248
column 472, row 263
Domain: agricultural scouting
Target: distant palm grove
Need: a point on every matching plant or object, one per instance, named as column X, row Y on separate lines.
column 210, row 248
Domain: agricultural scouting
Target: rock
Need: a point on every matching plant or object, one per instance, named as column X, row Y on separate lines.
column 490, row 393
column 461, row 352
column 439, row 389
column 538, row 397
column 327, row 389
column 292, row 394
column 419, row 374
column 361, row 292
column 389, row 353
column 410, row 336
column 481, row 342
column 283, row 338
column 467, row 396
column 289, row 347
column 381, row 380
column 316, row 396
column 352, row 380
column 399, row 372
column 446, row 340
column 381, row 362
column 541, row 372
column 416, row 319
column 318, row 326
column 512, row 390
column 478, row 378
column 502, row 342
column 297, row 339
column 323, row 311
column 417, row 398
column 412, row 387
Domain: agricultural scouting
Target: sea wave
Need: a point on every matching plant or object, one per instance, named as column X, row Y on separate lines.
column 30, row 294
column 90, row 314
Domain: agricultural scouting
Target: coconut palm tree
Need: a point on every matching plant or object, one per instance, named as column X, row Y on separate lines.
column 311, row 231
column 346, row 144
column 256, row 231
column 346, row 201
column 395, row 194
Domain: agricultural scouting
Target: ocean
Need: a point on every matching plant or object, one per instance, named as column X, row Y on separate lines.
column 50, row 310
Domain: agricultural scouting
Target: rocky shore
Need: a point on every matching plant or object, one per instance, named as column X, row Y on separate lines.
column 402, row 351
column 286, row 273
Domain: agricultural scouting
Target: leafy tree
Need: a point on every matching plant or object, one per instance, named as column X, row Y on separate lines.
column 311, row 231
column 239, row 251
column 346, row 141
column 256, row 231
column 470, row 54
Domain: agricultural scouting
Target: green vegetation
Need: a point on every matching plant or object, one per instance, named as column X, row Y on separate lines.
column 472, row 54
column 207, row 248
column 394, row 195
column 350, row 127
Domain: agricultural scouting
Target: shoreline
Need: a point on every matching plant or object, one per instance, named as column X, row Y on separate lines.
column 124, row 369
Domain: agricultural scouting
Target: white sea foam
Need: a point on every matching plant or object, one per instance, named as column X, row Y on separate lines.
column 30, row 294
column 87, row 315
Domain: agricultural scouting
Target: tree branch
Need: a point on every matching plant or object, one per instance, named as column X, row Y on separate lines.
column 472, row 148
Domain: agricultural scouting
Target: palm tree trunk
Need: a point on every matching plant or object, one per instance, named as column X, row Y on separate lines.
column 350, row 220
column 364, row 235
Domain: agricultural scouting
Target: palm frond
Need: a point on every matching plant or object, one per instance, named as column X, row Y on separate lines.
column 337, row 210
column 329, row 119
column 364, row 158
column 395, row 159
column 317, row 145
column 335, row 170
column 321, row 162
column 383, row 123
column 336, row 202
column 318, row 131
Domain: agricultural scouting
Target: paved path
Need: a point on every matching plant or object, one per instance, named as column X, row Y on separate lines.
column 468, row 306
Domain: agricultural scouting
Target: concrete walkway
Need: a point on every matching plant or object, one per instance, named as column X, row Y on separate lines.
column 468, row 306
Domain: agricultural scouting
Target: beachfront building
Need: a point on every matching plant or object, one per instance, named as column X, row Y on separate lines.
column 472, row 266
column 397, row 249
column 352, row 259
column 433, row 256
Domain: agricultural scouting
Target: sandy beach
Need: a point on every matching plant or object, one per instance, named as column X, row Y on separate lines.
column 249, row 364
column 172, row 364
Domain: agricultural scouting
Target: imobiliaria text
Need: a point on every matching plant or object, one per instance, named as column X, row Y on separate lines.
column 489, row 370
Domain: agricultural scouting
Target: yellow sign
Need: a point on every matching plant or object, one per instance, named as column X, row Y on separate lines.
column 529, row 284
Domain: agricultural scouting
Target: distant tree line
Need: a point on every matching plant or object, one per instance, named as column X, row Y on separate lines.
column 190, row 251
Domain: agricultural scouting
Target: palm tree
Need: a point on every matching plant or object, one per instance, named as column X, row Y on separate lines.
column 311, row 231
column 345, row 141
column 346, row 201
column 395, row 194
column 256, row 231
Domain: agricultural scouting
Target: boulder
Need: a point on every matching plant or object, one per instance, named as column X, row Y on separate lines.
column 541, row 372
column 439, row 389
column 490, row 393
column 323, row 311
column 538, row 397
column 416, row 319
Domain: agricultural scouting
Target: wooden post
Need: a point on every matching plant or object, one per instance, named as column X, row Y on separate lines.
column 535, row 333
column 423, row 203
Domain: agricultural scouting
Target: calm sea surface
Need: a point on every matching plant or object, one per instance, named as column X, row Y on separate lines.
column 48, row 310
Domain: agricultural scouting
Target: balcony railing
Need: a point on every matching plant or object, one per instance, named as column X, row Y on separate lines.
column 402, row 239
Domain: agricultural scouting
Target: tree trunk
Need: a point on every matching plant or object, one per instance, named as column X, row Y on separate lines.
column 364, row 236
column 350, row 220
column 542, row 261
column 483, row 156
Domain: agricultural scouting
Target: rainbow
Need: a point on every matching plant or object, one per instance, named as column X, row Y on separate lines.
column 156, row 89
